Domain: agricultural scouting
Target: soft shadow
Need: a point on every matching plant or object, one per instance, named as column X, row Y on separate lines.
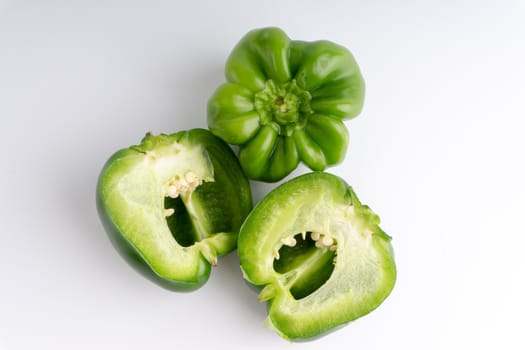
column 187, row 92
column 229, row 275
column 96, row 258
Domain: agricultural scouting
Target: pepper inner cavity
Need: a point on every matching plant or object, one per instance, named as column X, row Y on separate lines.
column 306, row 261
column 177, row 212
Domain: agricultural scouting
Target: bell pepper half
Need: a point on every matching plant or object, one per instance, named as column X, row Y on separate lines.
column 317, row 255
column 285, row 102
column 174, row 203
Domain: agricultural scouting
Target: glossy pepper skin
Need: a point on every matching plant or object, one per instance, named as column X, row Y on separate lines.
column 317, row 255
column 172, row 204
column 285, row 101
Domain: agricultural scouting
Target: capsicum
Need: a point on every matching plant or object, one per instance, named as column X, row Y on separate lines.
column 317, row 255
column 285, row 102
column 174, row 203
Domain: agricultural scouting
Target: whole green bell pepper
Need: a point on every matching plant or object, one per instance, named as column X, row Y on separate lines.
column 174, row 203
column 285, row 102
column 317, row 254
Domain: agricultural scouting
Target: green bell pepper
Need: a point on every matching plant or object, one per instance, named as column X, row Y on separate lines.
column 317, row 254
column 285, row 101
column 174, row 203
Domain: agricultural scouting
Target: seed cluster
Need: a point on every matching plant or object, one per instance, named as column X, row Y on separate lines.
column 321, row 241
column 181, row 185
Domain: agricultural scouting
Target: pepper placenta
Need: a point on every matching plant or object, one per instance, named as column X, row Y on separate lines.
column 317, row 254
column 174, row 203
column 285, row 101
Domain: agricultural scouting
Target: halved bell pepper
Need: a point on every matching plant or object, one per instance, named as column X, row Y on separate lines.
column 174, row 203
column 317, row 255
column 285, row 101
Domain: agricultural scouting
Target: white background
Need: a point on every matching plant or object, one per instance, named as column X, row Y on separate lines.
column 437, row 152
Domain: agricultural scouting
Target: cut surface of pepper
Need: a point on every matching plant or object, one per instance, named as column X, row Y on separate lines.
column 317, row 254
column 173, row 204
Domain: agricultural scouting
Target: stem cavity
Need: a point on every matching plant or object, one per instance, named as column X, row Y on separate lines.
column 179, row 211
column 305, row 261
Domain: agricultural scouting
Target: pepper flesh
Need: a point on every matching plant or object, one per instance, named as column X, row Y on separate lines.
column 317, row 254
column 173, row 204
column 285, row 101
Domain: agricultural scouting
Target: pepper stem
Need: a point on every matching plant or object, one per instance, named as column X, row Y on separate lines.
column 283, row 105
